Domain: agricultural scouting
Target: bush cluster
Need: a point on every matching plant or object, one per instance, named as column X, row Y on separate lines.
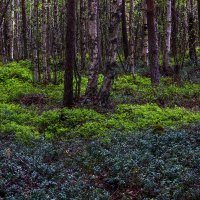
column 65, row 123
column 166, row 94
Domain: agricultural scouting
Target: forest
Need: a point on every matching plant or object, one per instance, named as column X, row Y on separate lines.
column 100, row 99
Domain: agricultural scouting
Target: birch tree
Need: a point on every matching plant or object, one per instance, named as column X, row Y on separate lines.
column 93, row 41
column 116, row 12
column 166, row 59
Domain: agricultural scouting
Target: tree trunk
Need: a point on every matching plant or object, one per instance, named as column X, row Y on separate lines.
column 116, row 12
column 24, row 28
column 3, row 11
column 12, row 29
column 174, row 31
column 145, row 48
column 93, row 40
column 83, row 35
column 131, row 62
column 46, row 69
column 166, row 58
column 55, row 39
column 36, row 71
column 70, row 53
column 153, row 42
column 124, row 30
column 199, row 18
column 191, row 32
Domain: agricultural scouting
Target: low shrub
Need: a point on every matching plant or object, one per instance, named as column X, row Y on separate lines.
column 20, row 71
column 132, row 166
column 62, row 124
column 151, row 115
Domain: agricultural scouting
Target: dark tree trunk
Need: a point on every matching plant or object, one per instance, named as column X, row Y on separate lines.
column 3, row 11
column 174, row 30
column 70, row 53
column 24, row 28
column 199, row 17
column 124, row 30
column 191, row 33
column 153, row 42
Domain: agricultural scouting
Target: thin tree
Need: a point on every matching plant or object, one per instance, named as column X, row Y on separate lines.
column 94, row 53
column 83, row 33
column 70, row 53
column 131, row 62
column 35, row 55
column 166, row 59
column 199, row 17
column 153, row 42
column 4, row 10
column 145, row 48
column 24, row 29
column 116, row 12
column 191, row 32
column 124, row 30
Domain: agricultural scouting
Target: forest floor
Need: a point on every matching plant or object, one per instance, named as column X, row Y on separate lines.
column 145, row 146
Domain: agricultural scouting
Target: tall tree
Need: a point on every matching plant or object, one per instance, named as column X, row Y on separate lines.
column 153, row 42
column 12, row 29
column 199, row 17
column 115, row 19
column 124, row 30
column 24, row 28
column 35, row 55
column 131, row 62
column 3, row 9
column 45, row 51
column 94, row 53
column 83, row 32
column 191, row 32
column 70, row 53
column 166, row 58
column 145, row 48
column 174, row 31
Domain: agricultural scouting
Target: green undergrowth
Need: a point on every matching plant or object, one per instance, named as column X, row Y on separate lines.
column 133, row 166
column 138, row 106
column 66, row 123
column 16, row 81
column 166, row 94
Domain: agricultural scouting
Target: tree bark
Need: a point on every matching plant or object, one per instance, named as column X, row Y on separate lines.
column 36, row 69
column 166, row 58
column 116, row 12
column 153, row 42
column 199, row 17
column 70, row 53
column 83, row 35
column 24, row 29
column 3, row 11
column 94, row 53
column 124, row 30
column 191, row 32
column 174, row 31
column 46, row 68
column 131, row 62
column 145, row 48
